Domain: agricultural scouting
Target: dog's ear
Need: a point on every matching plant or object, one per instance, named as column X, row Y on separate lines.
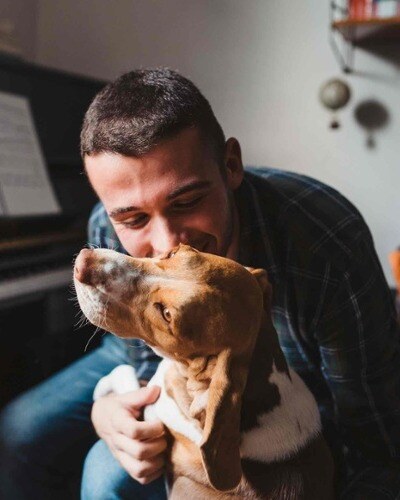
column 262, row 279
column 221, row 436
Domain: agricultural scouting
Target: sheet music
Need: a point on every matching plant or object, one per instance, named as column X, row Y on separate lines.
column 25, row 187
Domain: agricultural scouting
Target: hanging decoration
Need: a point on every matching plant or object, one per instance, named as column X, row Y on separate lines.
column 372, row 116
column 334, row 95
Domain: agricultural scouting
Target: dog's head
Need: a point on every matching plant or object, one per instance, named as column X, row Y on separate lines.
column 187, row 305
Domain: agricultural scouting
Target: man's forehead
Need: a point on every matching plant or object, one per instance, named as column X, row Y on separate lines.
column 187, row 145
column 161, row 163
column 194, row 186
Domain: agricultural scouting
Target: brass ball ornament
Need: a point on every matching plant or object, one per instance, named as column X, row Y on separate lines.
column 334, row 95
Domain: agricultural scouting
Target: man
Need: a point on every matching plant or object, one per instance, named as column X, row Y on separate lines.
column 158, row 160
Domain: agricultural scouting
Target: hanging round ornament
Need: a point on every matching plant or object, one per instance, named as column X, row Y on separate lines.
column 334, row 95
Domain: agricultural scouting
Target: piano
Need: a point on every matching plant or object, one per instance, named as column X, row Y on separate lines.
column 36, row 252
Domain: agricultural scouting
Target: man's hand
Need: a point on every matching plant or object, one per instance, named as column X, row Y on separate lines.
column 138, row 446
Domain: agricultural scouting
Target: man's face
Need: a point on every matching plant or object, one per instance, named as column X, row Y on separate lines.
column 173, row 194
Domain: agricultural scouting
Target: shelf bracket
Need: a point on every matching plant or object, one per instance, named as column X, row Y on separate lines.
column 344, row 57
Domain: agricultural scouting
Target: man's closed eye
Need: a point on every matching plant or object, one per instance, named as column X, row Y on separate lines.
column 187, row 204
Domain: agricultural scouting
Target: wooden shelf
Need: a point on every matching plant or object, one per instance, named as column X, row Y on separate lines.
column 364, row 30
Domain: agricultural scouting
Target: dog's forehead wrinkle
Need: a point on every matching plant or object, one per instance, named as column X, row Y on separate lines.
column 168, row 280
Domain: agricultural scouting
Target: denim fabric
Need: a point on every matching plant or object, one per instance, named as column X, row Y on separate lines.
column 104, row 479
column 46, row 433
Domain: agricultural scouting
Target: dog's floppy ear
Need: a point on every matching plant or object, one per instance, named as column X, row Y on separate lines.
column 262, row 279
column 220, row 445
column 221, row 436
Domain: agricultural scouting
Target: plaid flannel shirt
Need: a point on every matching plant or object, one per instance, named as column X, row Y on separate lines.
column 333, row 312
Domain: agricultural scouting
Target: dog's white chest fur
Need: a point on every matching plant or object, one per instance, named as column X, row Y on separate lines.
column 280, row 433
column 286, row 428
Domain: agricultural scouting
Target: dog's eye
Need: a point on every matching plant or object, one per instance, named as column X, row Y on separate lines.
column 165, row 312
column 168, row 255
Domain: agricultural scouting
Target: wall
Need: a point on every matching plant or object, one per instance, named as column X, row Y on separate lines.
column 261, row 64
column 23, row 14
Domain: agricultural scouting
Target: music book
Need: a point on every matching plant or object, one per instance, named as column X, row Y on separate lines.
column 25, row 187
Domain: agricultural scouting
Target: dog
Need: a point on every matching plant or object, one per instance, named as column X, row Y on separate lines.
column 241, row 424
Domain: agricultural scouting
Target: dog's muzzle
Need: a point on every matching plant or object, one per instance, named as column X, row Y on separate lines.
column 107, row 271
column 83, row 266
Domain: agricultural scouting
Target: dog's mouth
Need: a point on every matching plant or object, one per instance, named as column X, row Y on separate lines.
column 157, row 350
column 94, row 304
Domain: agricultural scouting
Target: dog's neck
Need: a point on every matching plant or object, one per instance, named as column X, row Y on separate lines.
column 197, row 374
column 267, row 356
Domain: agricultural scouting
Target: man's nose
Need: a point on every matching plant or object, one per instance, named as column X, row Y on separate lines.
column 164, row 237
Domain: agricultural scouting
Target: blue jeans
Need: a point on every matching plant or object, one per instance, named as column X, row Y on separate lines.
column 46, row 433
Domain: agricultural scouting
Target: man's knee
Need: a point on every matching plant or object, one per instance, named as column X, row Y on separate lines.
column 19, row 429
column 105, row 479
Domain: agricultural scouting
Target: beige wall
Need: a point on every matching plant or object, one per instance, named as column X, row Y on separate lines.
column 23, row 14
column 260, row 62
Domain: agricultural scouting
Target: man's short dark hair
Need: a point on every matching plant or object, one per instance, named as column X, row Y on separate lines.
column 143, row 108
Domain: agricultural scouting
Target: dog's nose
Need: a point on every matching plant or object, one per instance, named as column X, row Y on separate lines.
column 82, row 269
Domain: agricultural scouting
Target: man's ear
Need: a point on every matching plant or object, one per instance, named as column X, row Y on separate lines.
column 233, row 163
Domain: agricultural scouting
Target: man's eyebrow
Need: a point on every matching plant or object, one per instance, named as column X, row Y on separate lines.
column 191, row 186
column 122, row 210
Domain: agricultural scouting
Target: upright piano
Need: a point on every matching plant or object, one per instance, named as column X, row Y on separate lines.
column 36, row 252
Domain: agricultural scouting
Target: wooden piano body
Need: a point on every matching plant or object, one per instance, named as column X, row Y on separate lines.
column 37, row 335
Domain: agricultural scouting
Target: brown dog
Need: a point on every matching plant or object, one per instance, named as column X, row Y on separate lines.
column 242, row 425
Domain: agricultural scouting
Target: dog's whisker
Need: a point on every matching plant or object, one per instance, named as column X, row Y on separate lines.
column 103, row 322
column 103, row 316
column 112, row 245
column 82, row 321
column 79, row 313
column 91, row 338
column 91, row 246
column 106, row 309
column 80, row 317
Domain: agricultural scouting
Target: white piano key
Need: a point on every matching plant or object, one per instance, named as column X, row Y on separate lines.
column 40, row 282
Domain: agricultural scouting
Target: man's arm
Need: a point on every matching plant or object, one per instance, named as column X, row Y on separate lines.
column 360, row 356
